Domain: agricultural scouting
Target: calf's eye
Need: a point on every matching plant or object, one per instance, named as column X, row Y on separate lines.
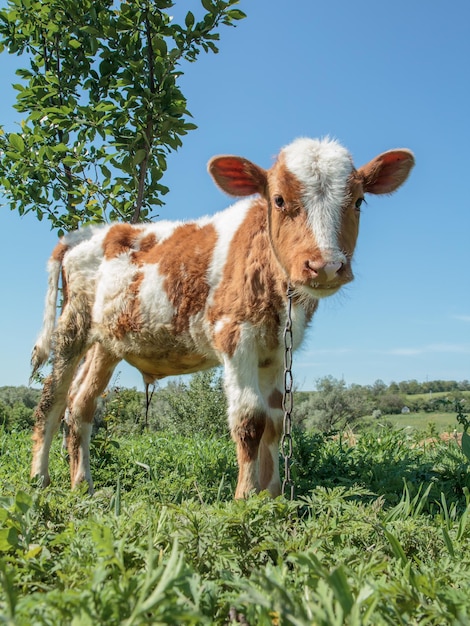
column 279, row 202
column 359, row 202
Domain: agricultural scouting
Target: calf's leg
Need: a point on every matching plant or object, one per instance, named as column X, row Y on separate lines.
column 91, row 380
column 271, row 382
column 69, row 345
column 247, row 415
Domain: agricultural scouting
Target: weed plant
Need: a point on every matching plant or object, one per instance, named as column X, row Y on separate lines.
column 378, row 534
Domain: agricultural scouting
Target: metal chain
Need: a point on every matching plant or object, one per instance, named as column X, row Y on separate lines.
column 288, row 400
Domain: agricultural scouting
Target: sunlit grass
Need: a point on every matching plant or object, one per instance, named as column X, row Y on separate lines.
column 379, row 534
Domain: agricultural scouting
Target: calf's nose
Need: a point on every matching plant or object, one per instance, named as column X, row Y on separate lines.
column 331, row 270
column 326, row 272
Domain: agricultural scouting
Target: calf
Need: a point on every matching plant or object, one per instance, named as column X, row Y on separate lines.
column 172, row 298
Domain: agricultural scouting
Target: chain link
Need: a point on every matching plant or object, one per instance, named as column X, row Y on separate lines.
column 288, row 400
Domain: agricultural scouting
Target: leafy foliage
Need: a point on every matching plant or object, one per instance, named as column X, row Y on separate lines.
column 379, row 535
column 332, row 407
column 197, row 407
column 102, row 104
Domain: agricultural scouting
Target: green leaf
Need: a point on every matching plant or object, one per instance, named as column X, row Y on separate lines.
column 16, row 141
column 207, row 4
column 189, row 20
column 23, row 501
column 139, row 156
column 236, row 14
column 8, row 539
column 159, row 45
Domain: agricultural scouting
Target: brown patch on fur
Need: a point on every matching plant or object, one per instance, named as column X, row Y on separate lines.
column 275, row 399
column 59, row 252
column 184, row 259
column 265, row 363
column 350, row 220
column 247, row 434
column 273, row 431
column 129, row 319
column 120, row 238
column 58, row 255
column 252, row 285
column 146, row 245
column 283, row 182
column 74, row 441
column 226, row 340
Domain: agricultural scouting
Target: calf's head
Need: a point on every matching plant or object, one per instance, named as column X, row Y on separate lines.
column 314, row 195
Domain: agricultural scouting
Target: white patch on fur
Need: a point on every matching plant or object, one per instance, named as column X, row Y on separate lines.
column 220, row 324
column 162, row 230
column 226, row 224
column 323, row 168
column 82, row 261
column 241, row 377
column 114, row 279
column 156, row 309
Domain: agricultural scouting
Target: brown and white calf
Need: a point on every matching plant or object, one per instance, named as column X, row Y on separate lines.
column 176, row 297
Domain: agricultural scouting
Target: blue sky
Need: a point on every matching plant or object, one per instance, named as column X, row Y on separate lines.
column 373, row 75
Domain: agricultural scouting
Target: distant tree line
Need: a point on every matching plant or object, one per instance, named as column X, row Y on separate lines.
column 334, row 404
column 198, row 404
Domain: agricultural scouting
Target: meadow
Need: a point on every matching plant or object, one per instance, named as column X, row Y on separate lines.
column 378, row 533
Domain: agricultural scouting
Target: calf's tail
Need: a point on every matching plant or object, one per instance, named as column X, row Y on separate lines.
column 42, row 347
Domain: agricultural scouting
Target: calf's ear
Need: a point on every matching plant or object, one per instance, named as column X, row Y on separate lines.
column 387, row 172
column 237, row 176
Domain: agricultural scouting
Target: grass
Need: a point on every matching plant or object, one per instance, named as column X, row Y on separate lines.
column 424, row 422
column 378, row 534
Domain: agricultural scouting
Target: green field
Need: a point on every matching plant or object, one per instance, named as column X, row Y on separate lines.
column 379, row 534
column 424, row 422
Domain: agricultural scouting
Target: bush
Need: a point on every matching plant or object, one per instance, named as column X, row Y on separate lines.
column 197, row 407
column 333, row 406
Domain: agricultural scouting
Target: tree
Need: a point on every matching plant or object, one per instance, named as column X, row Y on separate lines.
column 21, row 417
column 331, row 407
column 378, row 388
column 391, row 403
column 102, row 104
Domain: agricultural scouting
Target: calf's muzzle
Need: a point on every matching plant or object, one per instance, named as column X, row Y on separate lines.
column 324, row 272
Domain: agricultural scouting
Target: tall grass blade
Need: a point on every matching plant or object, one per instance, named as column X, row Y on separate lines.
column 448, row 541
column 396, row 547
column 462, row 524
column 10, row 597
column 117, row 498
